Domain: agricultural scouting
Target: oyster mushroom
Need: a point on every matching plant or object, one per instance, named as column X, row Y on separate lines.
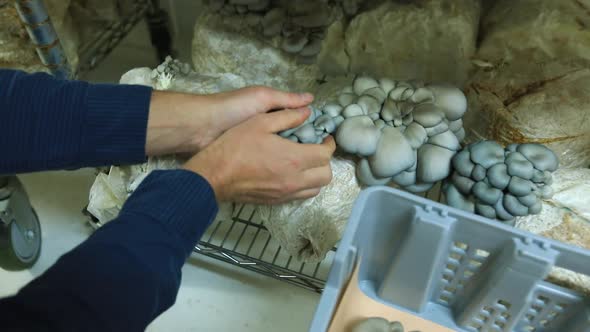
column 463, row 184
column 294, row 43
column 346, row 99
column 405, row 178
column 485, row 210
column 450, row 99
column 438, row 129
column 434, row 163
column 505, row 179
column 462, row 163
column 358, row 135
column 393, row 154
column 519, row 186
column 325, row 123
column 369, row 104
column 455, row 199
column 377, row 93
column 306, row 134
column 366, row 176
column 387, row 85
column 312, row 48
column 363, row 83
column 428, row 115
column 514, row 207
column 498, row 176
column 446, row 140
column 486, row 153
column 332, row 110
column 376, row 324
column 485, row 193
column 542, row 157
column 419, row 187
column 353, row 110
column 519, row 166
column 416, row 135
column 272, row 22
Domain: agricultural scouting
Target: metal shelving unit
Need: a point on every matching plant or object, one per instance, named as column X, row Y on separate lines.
column 35, row 18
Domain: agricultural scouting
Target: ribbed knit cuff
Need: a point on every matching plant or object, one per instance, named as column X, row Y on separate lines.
column 115, row 126
column 181, row 200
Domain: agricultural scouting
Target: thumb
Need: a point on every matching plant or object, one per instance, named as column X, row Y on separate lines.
column 285, row 119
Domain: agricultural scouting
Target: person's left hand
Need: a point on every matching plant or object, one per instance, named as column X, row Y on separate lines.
column 186, row 123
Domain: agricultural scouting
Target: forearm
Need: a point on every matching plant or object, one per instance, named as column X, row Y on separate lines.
column 52, row 124
column 129, row 271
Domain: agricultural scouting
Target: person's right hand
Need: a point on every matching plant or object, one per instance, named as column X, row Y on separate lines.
column 250, row 163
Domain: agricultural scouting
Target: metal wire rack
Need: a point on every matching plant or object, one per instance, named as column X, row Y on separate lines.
column 101, row 43
column 245, row 242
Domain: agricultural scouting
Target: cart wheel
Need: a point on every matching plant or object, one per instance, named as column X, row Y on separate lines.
column 20, row 243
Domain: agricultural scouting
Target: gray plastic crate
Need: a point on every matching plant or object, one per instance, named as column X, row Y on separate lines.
column 456, row 269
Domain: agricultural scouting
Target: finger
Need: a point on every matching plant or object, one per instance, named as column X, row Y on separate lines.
column 283, row 120
column 315, row 155
column 276, row 99
column 305, row 194
column 316, row 177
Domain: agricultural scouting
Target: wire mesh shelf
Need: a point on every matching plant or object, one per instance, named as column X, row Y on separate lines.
column 244, row 241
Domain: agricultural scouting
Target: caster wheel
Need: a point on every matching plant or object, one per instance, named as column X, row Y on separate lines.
column 20, row 243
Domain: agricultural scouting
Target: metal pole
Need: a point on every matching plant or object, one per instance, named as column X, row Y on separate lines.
column 38, row 24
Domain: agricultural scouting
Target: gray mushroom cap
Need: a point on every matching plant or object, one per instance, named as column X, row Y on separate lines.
column 463, row 184
column 428, row 115
column 514, row 207
column 450, row 99
column 377, row 93
column 366, row 176
column 485, row 210
column 498, row 176
column 405, row 178
column 332, row 109
column 463, row 164
column 346, row 99
column 519, row 186
column 434, row 163
column 369, row 104
column 485, row 193
column 387, row 85
column 376, row 324
column 446, row 140
column 486, row 153
column 326, row 123
column 456, row 199
column 352, row 110
column 519, row 166
column 294, row 43
column 419, row 187
column 393, row 154
column 306, row 134
column 542, row 157
column 416, row 135
column 358, row 135
column 438, row 129
column 363, row 83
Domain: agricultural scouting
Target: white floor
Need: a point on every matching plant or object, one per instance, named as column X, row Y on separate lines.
column 214, row 296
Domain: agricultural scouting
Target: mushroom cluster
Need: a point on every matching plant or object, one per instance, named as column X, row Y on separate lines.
column 404, row 132
column 299, row 24
column 378, row 324
column 501, row 183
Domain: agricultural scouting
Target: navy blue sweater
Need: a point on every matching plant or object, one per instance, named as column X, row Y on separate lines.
column 128, row 272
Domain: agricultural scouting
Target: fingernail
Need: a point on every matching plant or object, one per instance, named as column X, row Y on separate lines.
column 306, row 96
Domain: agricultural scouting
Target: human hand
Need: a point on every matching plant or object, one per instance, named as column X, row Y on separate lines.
column 181, row 123
column 251, row 164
